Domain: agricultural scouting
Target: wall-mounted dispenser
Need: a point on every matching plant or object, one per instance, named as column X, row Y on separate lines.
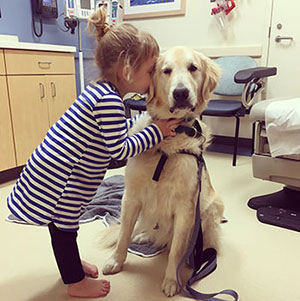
column 224, row 7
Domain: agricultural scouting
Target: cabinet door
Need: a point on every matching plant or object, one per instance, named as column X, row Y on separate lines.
column 7, row 152
column 2, row 67
column 61, row 95
column 30, row 113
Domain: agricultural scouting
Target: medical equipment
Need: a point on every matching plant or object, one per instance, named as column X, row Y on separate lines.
column 114, row 11
column 281, row 169
column 82, row 9
column 281, row 208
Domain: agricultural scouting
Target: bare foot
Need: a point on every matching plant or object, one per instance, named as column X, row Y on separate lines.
column 89, row 288
column 90, row 270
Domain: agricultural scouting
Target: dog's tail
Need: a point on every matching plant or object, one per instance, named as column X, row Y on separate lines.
column 109, row 236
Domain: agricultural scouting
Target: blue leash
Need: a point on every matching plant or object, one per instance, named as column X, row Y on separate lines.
column 202, row 262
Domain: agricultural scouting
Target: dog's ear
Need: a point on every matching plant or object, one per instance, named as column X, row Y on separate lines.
column 153, row 82
column 211, row 74
column 151, row 93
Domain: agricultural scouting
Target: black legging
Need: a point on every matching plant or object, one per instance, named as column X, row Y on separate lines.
column 66, row 254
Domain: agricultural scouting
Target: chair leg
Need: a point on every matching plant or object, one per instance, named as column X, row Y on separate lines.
column 127, row 111
column 253, row 138
column 236, row 139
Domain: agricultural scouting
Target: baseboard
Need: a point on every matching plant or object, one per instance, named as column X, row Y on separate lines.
column 10, row 174
column 224, row 144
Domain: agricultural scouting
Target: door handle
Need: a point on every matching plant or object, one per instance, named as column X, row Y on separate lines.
column 42, row 90
column 279, row 38
column 53, row 86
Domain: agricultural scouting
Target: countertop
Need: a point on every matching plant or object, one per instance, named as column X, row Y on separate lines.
column 12, row 42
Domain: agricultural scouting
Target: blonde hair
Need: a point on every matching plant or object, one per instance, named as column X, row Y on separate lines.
column 120, row 44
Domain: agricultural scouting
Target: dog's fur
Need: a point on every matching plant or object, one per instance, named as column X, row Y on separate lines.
column 166, row 209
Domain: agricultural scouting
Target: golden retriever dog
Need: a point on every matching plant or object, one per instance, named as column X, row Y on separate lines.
column 163, row 212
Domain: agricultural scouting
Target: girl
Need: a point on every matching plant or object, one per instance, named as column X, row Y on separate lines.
column 62, row 175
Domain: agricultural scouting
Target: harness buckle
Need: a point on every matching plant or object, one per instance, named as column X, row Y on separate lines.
column 195, row 133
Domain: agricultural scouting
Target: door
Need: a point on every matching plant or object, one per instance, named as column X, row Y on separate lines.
column 30, row 113
column 284, row 49
column 7, row 152
column 62, row 93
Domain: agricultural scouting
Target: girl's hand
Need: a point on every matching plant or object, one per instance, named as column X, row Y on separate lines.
column 168, row 126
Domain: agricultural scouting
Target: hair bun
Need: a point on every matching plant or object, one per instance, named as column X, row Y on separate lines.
column 97, row 23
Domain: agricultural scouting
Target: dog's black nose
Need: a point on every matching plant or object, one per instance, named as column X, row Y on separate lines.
column 181, row 94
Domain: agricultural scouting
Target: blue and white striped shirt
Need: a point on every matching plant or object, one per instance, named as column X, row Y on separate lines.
column 63, row 173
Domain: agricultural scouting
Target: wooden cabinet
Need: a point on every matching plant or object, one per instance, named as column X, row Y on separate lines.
column 41, row 86
column 2, row 68
column 7, row 151
column 38, row 62
column 61, row 94
column 36, row 103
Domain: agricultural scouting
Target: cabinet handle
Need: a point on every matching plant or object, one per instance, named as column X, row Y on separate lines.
column 42, row 90
column 44, row 65
column 53, row 87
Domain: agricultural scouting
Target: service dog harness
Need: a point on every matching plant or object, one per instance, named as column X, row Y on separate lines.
column 203, row 262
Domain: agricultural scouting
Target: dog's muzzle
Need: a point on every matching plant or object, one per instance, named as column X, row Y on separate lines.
column 181, row 99
column 181, row 94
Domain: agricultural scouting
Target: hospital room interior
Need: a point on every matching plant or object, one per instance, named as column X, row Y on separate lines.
column 47, row 58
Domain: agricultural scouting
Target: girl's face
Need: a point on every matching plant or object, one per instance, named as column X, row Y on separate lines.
column 137, row 81
column 140, row 80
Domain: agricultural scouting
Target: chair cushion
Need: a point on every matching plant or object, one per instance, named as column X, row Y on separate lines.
column 230, row 65
column 221, row 107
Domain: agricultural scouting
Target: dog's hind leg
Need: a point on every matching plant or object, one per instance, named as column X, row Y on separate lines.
column 180, row 240
column 211, row 219
column 129, row 214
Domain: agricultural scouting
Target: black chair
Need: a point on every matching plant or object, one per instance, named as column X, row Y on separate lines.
column 136, row 103
column 237, row 70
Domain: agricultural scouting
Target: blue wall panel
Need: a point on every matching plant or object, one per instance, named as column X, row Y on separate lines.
column 17, row 20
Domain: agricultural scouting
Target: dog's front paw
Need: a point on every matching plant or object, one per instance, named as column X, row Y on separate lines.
column 170, row 287
column 112, row 266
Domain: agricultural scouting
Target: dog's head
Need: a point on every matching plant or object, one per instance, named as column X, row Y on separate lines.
column 182, row 83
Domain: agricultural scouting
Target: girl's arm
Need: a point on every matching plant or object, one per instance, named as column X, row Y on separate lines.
column 131, row 121
column 110, row 116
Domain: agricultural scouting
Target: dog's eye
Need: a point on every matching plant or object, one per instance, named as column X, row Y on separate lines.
column 192, row 68
column 167, row 71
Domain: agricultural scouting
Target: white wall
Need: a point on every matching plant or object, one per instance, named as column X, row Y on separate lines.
column 246, row 35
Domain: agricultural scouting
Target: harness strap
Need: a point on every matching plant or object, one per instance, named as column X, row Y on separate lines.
column 195, row 131
column 160, row 166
